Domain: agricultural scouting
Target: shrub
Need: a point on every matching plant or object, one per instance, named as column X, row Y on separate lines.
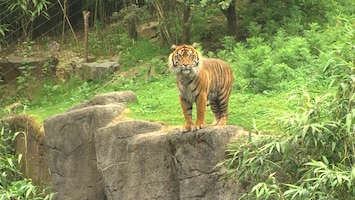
column 293, row 51
column 315, row 159
column 13, row 185
column 257, row 63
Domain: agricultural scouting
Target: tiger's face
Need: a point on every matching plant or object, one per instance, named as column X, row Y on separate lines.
column 184, row 60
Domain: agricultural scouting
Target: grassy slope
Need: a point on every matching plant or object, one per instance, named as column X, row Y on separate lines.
column 158, row 101
column 246, row 109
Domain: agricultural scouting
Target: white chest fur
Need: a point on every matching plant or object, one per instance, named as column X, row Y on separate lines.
column 187, row 90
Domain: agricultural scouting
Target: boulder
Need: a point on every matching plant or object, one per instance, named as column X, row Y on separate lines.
column 13, row 66
column 113, row 157
column 138, row 160
column 69, row 138
column 108, row 98
column 96, row 70
column 148, row 31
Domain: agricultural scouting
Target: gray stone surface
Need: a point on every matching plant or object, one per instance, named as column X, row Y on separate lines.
column 108, row 98
column 138, row 164
column 96, row 70
column 69, row 138
column 37, row 65
column 148, row 30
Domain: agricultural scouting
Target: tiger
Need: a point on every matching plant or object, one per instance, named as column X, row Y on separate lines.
column 200, row 80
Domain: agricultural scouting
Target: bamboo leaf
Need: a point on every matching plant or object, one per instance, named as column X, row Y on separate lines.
column 353, row 173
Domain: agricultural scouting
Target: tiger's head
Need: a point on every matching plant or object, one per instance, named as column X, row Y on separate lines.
column 184, row 60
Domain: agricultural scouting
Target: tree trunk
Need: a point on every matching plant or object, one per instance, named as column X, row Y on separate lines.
column 131, row 22
column 96, row 17
column 185, row 38
column 232, row 19
column 132, row 30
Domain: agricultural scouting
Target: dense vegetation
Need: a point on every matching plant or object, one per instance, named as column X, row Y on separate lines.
column 294, row 90
column 13, row 184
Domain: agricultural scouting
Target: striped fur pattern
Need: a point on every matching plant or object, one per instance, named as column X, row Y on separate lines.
column 200, row 80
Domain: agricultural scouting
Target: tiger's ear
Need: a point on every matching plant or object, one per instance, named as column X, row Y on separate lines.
column 173, row 47
column 194, row 45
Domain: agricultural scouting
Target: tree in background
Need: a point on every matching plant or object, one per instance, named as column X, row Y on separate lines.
column 228, row 9
column 185, row 35
column 27, row 12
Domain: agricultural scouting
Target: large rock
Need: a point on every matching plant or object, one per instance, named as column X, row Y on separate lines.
column 136, row 163
column 108, row 98
column 93, row 154
column 69, row 138
column 96, row 70
column 112, row 145
column 148, row 31
column 13, row 66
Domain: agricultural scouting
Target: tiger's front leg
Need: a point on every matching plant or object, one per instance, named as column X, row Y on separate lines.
column 201, row 103
column 187, row 110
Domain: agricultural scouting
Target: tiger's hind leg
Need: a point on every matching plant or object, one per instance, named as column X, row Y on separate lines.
column 219, row 107
column 214, row 104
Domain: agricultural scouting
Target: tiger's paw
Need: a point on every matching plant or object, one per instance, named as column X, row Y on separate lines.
column 219, row 121
column 186, row 128
column 222, row 121
column 215, row 122
column 198, row 127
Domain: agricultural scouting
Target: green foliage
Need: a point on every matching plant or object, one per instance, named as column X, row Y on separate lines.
column 12, row 183
column 48, row 66
column 27, row 12
column 25, row 78
column 30, row 9
column 264, row 18
column 3, row 29
column 140, row 53
column 258, row 63
column 275, row 64
column 315, row 159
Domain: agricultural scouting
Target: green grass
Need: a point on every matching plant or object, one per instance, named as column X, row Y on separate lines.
column 54, row 98
column 245, row 109
column 158, row 101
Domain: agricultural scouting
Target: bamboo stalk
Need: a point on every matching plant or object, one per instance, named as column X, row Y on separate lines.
column 66, row 17
column 64, row 14
column 164, row 27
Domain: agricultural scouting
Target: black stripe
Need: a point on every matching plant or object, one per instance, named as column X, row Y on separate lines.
column 194, row 90
column 172, row 60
